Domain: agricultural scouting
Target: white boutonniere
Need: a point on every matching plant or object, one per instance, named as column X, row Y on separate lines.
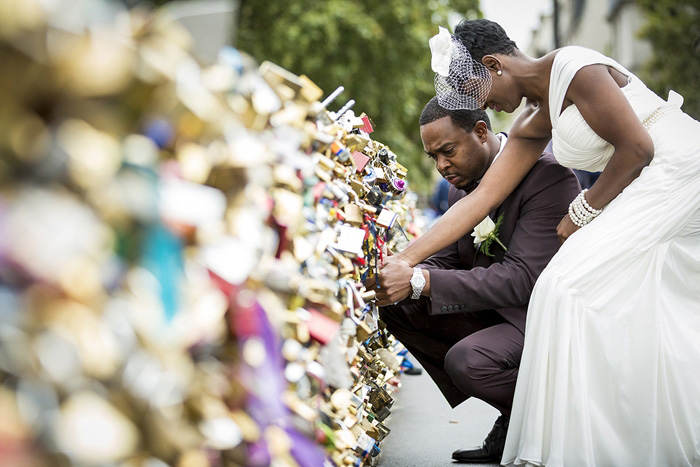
column 441, row 49
column 486, row 233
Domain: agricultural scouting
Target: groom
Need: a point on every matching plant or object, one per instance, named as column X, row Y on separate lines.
column 462, row 312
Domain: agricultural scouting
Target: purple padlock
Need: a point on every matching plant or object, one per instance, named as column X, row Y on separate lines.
column 398, row 185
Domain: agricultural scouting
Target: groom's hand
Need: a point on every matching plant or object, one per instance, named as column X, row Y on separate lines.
column 394, row 283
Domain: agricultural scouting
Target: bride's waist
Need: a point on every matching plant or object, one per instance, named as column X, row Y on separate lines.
column 661, row 112
column 663, row 109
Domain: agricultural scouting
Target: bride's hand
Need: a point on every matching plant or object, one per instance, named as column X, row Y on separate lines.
column 565, row 228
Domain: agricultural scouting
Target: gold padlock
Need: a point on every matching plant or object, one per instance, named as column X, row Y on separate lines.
column 356, row 142
column 353, row 214
column 309, row 90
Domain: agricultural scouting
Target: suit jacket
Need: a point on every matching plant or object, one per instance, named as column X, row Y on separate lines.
column 464, row 280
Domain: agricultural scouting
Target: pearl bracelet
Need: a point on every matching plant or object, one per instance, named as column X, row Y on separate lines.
column 580, row 212
column 588, row 207
column 574, row 217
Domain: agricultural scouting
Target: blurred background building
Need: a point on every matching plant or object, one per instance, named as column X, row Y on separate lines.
column 608, row 26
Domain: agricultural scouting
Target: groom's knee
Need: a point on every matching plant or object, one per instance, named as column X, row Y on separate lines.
column 469, row 368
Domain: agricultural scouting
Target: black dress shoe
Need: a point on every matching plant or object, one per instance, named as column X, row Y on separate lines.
column 492, row 449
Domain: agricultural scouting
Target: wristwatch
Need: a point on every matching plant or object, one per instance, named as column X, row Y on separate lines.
column 417, row 283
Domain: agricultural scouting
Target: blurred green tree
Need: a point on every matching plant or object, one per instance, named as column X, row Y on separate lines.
column 377, row 50
column 673, row 29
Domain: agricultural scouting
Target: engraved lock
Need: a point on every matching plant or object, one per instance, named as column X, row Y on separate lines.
column 379, row 398
column 363, row 332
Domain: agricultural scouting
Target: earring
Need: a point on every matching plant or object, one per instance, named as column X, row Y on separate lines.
column 499, row 72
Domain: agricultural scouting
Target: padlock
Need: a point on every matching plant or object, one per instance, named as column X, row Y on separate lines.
column 309, row 90
column 356, row 142
column 383, row 156
column 353, row 214
column 380, row 173
column 398, row 185
column 367, row 126
column 375, row 196
column 371, row 176
column 358, row 187
column 360, row 160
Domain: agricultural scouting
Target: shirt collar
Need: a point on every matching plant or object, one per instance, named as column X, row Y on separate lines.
column 503, row 137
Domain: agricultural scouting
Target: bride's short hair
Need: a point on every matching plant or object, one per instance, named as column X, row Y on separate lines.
column 483, row 37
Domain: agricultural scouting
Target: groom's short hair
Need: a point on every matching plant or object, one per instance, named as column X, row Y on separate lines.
column 462, row 118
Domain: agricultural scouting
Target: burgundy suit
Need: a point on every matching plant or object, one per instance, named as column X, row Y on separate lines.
column 469, row 334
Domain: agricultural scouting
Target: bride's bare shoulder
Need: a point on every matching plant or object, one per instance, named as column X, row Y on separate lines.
column 533, row 121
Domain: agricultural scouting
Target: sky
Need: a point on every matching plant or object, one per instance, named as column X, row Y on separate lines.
column 518, row 17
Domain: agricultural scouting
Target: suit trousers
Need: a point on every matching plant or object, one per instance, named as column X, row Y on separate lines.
column 466, row 354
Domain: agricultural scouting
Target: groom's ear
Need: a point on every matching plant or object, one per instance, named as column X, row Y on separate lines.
column 492, row 63
column 481, row 130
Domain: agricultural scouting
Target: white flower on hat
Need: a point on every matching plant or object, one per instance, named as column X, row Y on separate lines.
column 441, row 49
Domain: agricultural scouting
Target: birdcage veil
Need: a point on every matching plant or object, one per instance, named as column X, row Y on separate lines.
column 460, row 81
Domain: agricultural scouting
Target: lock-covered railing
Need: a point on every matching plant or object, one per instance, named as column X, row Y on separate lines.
column 183, row 252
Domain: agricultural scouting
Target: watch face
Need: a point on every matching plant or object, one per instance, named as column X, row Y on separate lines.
column 418, row 280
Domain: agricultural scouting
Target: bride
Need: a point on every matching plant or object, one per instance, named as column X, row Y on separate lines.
column 609, row 370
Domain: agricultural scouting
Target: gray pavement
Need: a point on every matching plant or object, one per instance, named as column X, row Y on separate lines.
column 425, row 430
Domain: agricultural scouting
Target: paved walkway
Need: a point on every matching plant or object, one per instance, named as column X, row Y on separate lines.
column 425, row 430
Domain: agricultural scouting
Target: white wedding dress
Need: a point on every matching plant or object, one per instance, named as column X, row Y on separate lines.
column 610, row 372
